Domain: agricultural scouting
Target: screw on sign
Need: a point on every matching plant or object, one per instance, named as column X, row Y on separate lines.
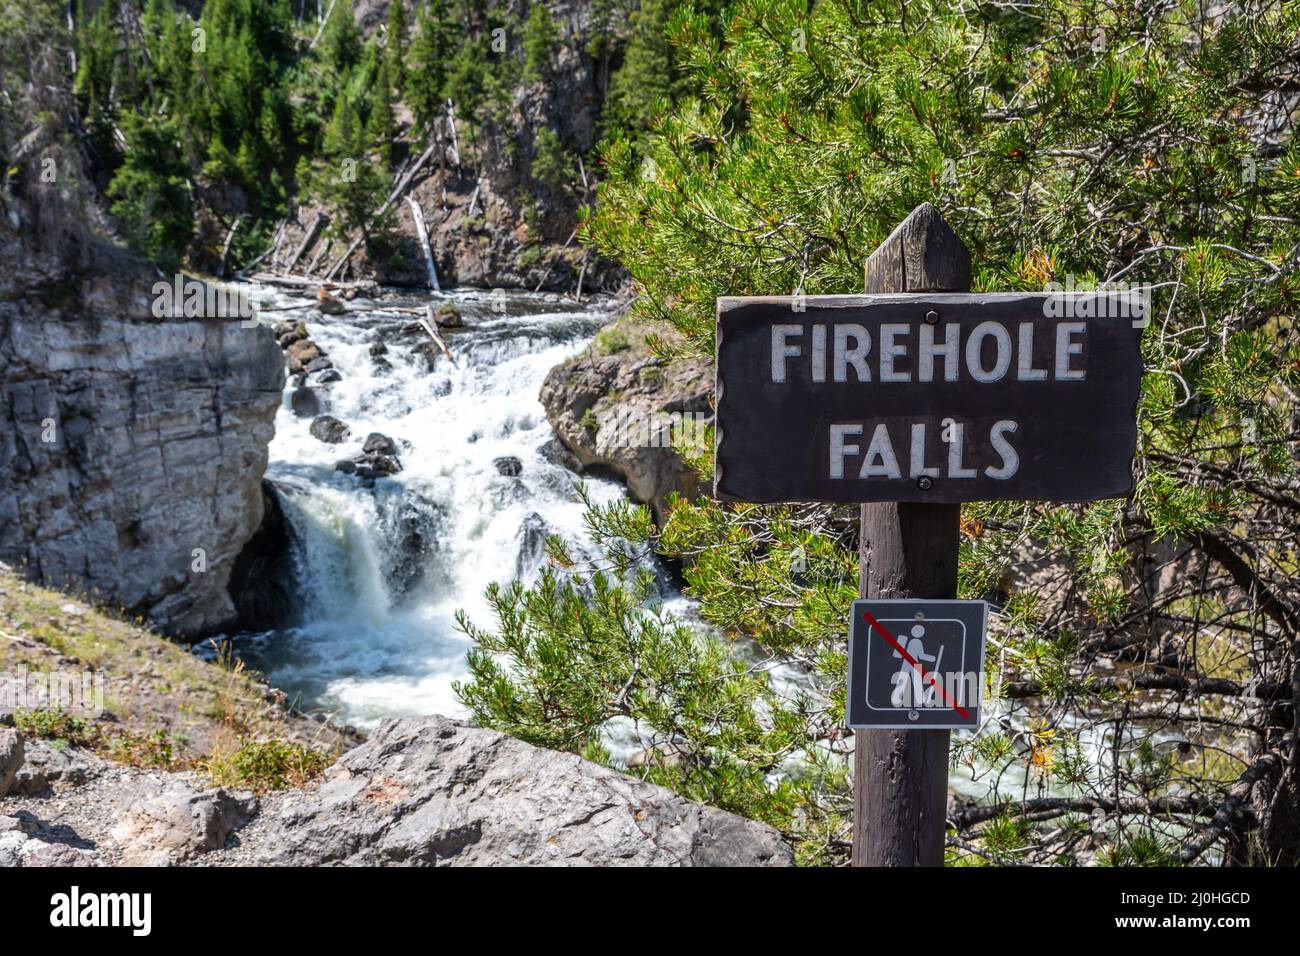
column 911, row 399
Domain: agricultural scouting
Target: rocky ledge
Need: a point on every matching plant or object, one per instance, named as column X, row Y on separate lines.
column 420, row 792
column 617, row 406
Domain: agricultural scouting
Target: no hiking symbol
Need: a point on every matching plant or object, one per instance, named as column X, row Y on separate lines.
column 916, row 664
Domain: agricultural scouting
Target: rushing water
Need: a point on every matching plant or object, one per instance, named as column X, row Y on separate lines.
column 382, row 570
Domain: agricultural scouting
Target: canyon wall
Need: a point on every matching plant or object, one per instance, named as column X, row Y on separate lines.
column 131, row 447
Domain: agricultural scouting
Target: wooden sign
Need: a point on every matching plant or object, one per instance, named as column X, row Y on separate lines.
column 933, row 397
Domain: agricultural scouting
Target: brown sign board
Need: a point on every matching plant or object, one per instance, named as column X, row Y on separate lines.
column 930, row 397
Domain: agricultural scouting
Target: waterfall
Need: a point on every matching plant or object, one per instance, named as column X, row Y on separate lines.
column 381, row 570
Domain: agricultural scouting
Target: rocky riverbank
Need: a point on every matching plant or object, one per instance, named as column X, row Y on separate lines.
column 618, row 409
column 173, row 760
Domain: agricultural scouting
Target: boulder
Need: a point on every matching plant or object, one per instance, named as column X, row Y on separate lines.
column 438, row 792
column 11, row 758
column 379, row 444
column 448, row 316
column 378, row 458
column 533, row 532
column 410, row 524
column 305, row 402
column 45, row 765
column 508, row 465
column 329, row 429
column 169, row 825
column 288, row 332
column 329, row 376
column 300, row 353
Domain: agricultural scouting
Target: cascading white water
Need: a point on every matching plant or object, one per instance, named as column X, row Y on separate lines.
column 382, row 570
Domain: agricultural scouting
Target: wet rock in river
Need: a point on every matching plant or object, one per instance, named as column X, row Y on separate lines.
column 532, row 545
column 378, row 459
column 329, row 429
column 305, row 402
column 508, row 465
column 448, row 316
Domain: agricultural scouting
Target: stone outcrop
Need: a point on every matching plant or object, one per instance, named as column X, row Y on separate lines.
column 615, row 411
column 264, row 581
column 131, row 446
column 434, row 791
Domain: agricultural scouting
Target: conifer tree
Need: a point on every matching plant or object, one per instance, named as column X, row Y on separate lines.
column 150, row 191
column 381, row 128
column 540, row 38
column 436, row 41
column 341, row 42
column 395, row 42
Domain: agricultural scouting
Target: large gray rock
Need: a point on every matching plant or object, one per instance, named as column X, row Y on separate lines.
column 439, row 792
column 11, row 758
column 168, row 826
column 131, row 447
column 619, row 412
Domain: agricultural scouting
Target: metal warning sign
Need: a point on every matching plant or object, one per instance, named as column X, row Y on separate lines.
column 916, row 665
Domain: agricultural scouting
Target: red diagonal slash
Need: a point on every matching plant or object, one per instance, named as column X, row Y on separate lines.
column 925, row 674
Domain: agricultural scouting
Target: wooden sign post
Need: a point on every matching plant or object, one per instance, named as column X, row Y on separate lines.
column 914, row 398
column 900, row 777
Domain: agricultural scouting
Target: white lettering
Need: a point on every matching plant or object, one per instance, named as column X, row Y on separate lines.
column 856, row 356
column 948, row 351
column 781, row 350
column 1010, row 460
column 974, row 348
column 889, row 350
column 839, row 450
column 1025, row 370
column 1065, row 348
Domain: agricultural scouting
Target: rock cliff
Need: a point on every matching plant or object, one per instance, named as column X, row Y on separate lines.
column 131, row 447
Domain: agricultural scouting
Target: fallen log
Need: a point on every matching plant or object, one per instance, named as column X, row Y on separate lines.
column 313, row 230
column 307, row 282
column 431, row 326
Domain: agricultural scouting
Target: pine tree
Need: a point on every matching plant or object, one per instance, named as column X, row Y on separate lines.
column 151, row 191
column 341, row 42
column 381, row 128
column 432, row 50
column 540, row 38
column 98, row 49
column 395, row 43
